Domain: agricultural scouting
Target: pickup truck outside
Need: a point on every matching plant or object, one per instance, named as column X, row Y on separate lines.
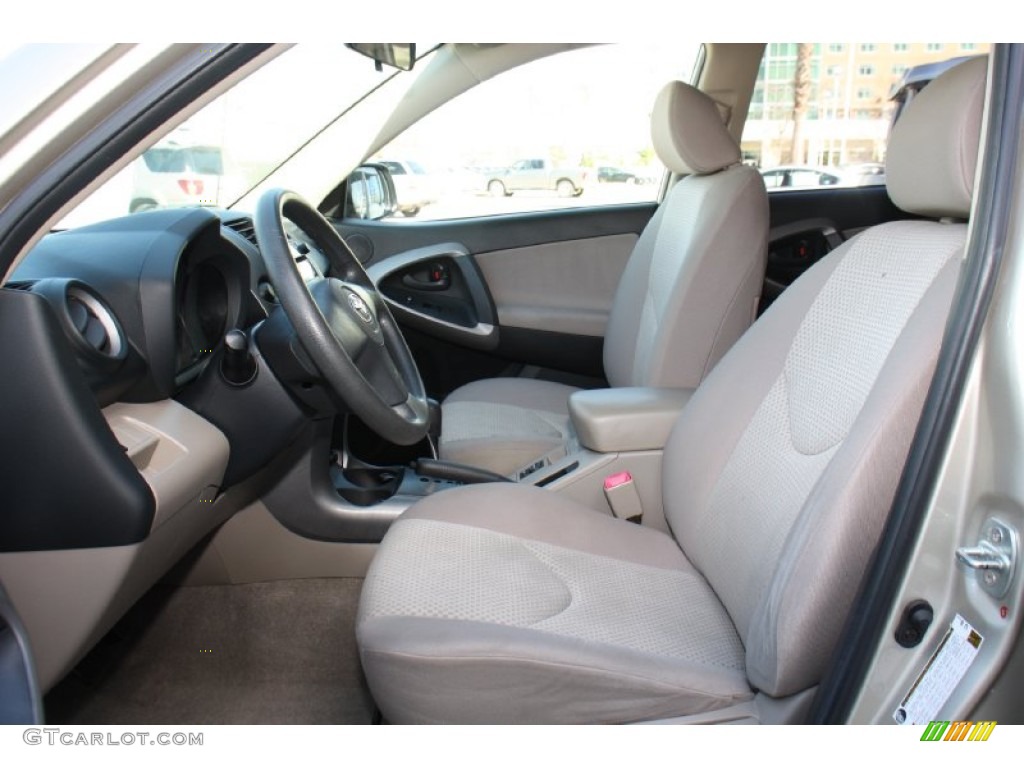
column 537, row 173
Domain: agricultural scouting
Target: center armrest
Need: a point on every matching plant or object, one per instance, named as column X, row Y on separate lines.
column 626, row 418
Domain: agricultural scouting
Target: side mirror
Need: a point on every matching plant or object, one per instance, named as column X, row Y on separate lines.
column 370, row 193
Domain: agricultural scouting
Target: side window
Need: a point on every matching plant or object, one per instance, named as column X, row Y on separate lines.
column 568, row 130
column 821, row 112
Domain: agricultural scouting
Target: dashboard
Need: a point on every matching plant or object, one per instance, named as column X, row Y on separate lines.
column 171, row 283
column 128, row 445
column 132, row 314
column 144, row 300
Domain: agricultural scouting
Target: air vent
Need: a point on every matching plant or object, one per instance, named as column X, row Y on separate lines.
column 19, row 285
column 244, row 227
column 94, row 323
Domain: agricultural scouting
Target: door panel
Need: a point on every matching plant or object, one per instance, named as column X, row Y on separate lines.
column 547, row 280
column 846, row 209
column 551, row 275
column 493, row 233
column 565, row 287
column 441, row 291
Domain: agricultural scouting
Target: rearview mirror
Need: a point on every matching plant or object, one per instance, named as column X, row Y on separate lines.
column 398, row 55
column 370, row 193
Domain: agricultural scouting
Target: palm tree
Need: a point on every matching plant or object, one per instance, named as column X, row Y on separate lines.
column 801, row 100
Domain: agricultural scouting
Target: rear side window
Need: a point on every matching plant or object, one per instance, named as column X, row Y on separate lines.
column 820, row 112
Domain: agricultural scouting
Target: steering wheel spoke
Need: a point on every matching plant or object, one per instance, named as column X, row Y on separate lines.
column 378, row 369
column 342, row 322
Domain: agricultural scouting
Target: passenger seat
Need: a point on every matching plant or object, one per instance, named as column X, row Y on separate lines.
column 689, row 291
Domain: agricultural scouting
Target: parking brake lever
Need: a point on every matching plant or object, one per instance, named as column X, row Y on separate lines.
column 460, row 473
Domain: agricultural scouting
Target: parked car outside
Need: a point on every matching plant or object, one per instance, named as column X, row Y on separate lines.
column 799, row 176
column 536, row 173
column 611, row 174
column 173, row 175
column 864, row 174
column 414, row 187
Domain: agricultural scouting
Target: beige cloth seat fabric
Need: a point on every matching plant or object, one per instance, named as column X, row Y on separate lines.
column 503, row 603
column 505, row 424
column 689, row 291
column 467, row 584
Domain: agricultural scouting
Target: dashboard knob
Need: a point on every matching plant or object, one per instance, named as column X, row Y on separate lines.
column 237, row 366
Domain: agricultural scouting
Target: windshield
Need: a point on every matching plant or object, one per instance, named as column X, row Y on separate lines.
column 231, row 145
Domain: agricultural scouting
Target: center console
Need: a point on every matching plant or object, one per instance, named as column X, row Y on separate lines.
column 621, row 430
column 357, row 495
column 626, row 419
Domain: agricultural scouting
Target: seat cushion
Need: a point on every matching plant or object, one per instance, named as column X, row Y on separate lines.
column 509, row 604
column 505, row 424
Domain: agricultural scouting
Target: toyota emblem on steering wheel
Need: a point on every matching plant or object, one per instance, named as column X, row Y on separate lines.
column 360, row 308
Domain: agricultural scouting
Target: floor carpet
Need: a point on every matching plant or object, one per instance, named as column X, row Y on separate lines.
column 277, row 652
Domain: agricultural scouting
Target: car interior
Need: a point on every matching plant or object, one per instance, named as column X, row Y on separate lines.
column 619, row 464
column 689, row 290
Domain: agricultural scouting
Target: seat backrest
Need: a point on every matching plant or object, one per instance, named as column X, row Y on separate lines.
column 781, row 471
column 692, row 284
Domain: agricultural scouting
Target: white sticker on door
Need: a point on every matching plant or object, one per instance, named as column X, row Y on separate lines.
column 944, row 670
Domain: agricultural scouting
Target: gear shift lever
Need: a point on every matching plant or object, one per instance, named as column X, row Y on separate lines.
column 237, row 365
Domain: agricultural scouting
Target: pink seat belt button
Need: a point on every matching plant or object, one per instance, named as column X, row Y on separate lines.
column 623, row 498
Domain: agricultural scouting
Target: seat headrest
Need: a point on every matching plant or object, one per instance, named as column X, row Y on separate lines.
column 933, row 149
column 688, row 132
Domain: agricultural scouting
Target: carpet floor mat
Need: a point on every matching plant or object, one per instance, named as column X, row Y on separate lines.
column 275, row 652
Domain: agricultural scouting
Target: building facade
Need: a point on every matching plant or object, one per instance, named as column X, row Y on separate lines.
column 848, row 107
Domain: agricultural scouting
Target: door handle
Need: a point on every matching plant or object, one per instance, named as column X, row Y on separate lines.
column 435, row 277
column 425, row 285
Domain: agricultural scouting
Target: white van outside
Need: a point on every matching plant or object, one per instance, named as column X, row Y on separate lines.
column 172, row 175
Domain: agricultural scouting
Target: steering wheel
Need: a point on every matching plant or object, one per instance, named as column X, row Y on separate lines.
column 342, row 323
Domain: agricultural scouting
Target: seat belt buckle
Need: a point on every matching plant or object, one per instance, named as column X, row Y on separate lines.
column 623, row 498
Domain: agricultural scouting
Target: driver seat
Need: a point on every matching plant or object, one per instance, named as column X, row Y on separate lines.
column 689, row 291
column 508, row 603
